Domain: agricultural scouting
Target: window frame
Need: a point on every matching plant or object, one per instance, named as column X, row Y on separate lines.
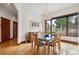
column 73, row 14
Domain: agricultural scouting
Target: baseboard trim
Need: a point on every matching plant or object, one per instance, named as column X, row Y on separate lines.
column 11, row 38
column 21, row 43
column 71, row 42
column 7, row 40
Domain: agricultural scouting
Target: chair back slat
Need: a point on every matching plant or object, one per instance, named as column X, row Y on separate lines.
column 36, row 37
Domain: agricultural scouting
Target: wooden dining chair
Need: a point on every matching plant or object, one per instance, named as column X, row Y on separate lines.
column 30, row 39
column 58, row 40
column 54, row 43
column 37, row 43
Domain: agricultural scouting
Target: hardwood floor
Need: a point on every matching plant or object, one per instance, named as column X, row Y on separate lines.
column 11, row 48
column 9, row 43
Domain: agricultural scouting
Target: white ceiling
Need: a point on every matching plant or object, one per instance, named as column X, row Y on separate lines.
column 9, row 8
column 52, row 7
column 59, row 6
column 38, row 7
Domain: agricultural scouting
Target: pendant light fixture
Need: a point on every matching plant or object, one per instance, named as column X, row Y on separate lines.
column 46, row 15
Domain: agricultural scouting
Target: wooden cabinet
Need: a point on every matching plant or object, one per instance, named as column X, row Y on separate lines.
column 29, row 37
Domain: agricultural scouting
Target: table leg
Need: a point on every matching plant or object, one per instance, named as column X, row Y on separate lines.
column 32, row 45
column 48, row 48
column 44, row 49
column 37, row 49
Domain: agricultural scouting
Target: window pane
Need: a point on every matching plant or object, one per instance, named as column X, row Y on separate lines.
column 73, row 25
column 48, row 26
column 59, row 25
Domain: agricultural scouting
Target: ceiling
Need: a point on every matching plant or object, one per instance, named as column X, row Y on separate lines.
column 9, row 7
column 59, row 6
column 37, row 7
column 52, row 7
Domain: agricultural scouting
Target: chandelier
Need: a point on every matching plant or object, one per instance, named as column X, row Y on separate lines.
column 46, row 15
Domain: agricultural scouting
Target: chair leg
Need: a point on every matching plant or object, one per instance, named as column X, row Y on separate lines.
column 51, row 48
column 54, row 50
column 32, row 45
column 44, row 49
column 34, row 49
column 48, row 49
column 37, row 49
column 59, row 47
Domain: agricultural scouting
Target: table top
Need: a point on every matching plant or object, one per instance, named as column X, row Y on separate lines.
column 46, row 38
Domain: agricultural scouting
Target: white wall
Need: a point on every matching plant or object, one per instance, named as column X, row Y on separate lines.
column 0, row 29
column 9, row 16
column 20, row 23
column 78, row 28
column 25, row 15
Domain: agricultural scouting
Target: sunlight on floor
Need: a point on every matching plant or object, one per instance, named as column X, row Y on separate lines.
column 25, row 49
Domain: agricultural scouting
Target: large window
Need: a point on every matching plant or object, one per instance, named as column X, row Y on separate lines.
column 59, row 25
column 66, row 25
column 73, row 25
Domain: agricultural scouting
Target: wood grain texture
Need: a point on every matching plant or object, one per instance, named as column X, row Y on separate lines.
column 5, row 29
column 11, row 48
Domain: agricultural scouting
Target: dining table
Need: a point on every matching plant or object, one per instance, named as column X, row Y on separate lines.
column 46, row 40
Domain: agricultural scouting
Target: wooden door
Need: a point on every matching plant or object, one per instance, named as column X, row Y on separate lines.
column 14, row 29
column 5, row 29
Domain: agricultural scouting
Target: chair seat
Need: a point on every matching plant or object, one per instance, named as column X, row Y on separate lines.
column 40, row 43
column 50, row 43
column 57, row 40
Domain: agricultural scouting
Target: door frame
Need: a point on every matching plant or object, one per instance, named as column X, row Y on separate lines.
column 16, row 29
